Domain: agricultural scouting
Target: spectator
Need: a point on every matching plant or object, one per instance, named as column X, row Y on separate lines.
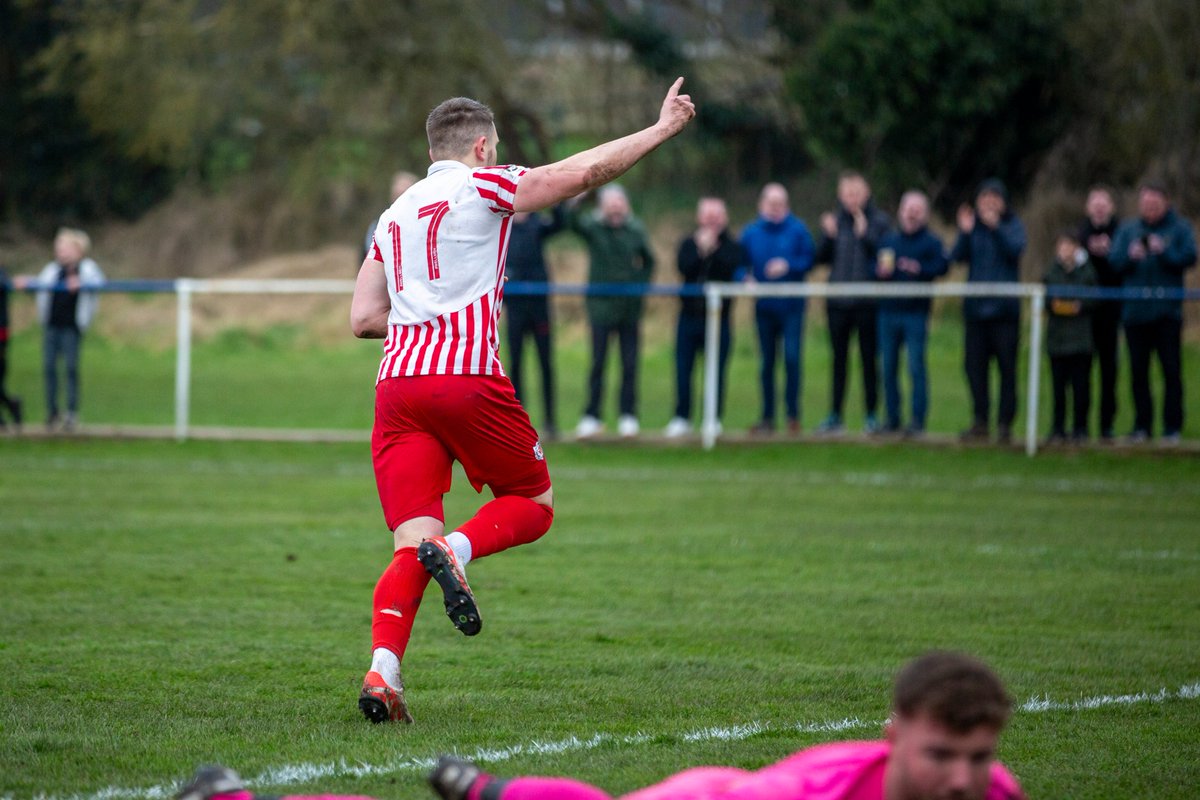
column 778, row 249
column 400, row 183
column 7, row 401
column 990, row 240
column 708, row 254
column 850, row 238
column 1069, row 339
column 910, row 254
column 619, row 253
column 529, row 314
column 66, row 305
column 1096, row 234
column 1152, row 252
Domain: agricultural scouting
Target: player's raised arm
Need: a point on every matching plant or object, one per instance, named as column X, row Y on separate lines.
column 542, row 187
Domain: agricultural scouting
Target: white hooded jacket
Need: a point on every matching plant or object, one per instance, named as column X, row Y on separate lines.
column 90, row 277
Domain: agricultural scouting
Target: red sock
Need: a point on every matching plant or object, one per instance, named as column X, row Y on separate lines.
column 506, row 522
column 397, row 598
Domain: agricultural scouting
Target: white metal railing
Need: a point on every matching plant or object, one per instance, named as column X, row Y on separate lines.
column 186, row 288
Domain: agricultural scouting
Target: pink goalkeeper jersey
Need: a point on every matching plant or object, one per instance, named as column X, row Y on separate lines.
column 842, row 771
column 443, row 244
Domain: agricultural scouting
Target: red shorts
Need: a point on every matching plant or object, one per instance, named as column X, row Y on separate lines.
column 424, row 423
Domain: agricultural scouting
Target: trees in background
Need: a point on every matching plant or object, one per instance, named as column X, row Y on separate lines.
column 296, row 94
column 938, row 93
column 53, row 158
column 113, row 104
column 1138, row 86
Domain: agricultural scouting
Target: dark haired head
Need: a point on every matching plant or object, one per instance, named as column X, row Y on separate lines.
column 455, row 125
column 1156, row 186
column 953, row 689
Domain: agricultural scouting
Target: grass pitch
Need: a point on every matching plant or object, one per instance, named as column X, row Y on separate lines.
column 168, row 605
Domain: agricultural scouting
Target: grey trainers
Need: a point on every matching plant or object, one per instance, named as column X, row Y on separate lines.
column 831, row 425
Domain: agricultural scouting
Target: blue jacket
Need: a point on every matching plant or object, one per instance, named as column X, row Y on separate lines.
column 924, row 248
column 1162, row 270
column 763, row 240
column 993, row 255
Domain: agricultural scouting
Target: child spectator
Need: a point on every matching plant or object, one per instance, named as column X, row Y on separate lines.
column 1069, row 338
column 66, row 304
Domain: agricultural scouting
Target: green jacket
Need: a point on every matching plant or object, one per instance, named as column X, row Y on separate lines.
column 1069, row 329
column 616, row 256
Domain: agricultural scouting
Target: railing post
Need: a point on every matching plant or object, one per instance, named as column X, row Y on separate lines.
column 1037, row 304
column 712, row 369
column 183, row 356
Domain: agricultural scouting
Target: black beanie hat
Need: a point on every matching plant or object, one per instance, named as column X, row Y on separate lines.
column 995, row 186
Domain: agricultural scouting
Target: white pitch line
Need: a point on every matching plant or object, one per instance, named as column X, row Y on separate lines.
column 1190, row 691
column 293, row 774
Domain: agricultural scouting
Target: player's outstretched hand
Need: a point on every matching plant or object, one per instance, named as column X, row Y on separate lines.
column 677, row 109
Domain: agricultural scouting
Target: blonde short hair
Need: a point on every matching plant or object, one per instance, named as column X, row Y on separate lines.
column 75, row 236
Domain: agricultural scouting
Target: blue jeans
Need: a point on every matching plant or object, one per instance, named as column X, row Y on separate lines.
column 773, row 325
column 908, row 329
column 689, row 343
column 61, row 342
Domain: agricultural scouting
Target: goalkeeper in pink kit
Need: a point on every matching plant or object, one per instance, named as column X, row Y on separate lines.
column 940, row 743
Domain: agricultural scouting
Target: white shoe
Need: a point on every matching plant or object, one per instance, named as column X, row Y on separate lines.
column 627, row 426
column 677, row 428
column 588, row 427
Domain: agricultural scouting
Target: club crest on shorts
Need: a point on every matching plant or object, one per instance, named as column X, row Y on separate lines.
column 537, row 451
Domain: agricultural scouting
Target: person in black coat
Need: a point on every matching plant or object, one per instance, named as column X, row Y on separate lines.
column 529, row 314
column 7, row 401
column 1096, row 234
column 851, row 238
column 990, row 240
column 708, row 254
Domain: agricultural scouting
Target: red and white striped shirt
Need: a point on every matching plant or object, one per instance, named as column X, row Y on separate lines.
column 443, row 244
